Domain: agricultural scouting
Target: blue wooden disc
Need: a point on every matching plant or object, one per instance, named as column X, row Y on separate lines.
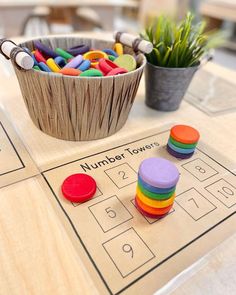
column 180, row 150
column 178, row 155
column 154, row 189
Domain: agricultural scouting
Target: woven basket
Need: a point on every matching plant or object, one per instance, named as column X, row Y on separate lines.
column 79, row 108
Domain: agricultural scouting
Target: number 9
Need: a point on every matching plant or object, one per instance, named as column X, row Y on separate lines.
column 128, row 249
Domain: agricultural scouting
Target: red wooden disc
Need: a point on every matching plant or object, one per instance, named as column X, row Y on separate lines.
column 151, row 210
column 79, row 187
column 184, row 134
column 106, row 65
column 155, row 216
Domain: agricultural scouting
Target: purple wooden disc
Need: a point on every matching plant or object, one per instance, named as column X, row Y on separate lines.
column 178, row 155
column 75, row 62
column 159, row 172
column 44, row 49
column 79, row 49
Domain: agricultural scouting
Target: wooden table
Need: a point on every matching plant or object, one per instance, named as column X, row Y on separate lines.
column 106, row 9
column 37, row 254
column 217, row 11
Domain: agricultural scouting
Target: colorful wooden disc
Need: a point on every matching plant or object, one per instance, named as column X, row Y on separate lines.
column 126, row 61
column 64, row 53
column 94, row 56
column 140, row 206
column 178, row 155
column 111, row 52
column 153, row 189
column 91, row 73
column 44, row 67
column 184, row 134
column 53, row 66
column 180, row 150
column 74, row 62
column 182, row 145
column 106, row 65
column 117, row 71
column 155, row 203
column 155, row 196
column 70, row 72
column 85, row 65
column 159, row 172
column 118, row 47
column 78, row 49
column 79, row 187
column 151, row 210
column 39, row 57
column 45, row 49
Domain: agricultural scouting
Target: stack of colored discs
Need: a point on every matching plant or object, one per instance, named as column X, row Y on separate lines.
column 182, row 141
column 157, row 179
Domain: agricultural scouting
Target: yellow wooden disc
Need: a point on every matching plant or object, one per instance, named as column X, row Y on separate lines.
column 155, row 203
column 94, row 56
column 52, row 65
column 118, row 47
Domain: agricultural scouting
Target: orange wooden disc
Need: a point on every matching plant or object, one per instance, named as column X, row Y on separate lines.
column 184, row 134
column 70, row 72
column 151, row 210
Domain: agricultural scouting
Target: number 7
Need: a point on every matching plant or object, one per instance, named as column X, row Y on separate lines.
column 192, row 199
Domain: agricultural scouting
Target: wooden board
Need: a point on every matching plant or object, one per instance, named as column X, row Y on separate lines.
column 16, row 163
column 128, row 251
column 37, row 257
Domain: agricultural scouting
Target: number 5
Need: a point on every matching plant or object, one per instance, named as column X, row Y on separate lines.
column 111, row 213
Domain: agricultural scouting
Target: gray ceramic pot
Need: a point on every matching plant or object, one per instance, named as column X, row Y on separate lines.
column 166, row 87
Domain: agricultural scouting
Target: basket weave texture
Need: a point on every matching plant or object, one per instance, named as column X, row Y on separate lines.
column 79, row 108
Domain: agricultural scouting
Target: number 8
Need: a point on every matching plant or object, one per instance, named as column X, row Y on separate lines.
column 200, row 169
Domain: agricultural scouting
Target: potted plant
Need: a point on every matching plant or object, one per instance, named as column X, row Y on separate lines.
column 176, row 55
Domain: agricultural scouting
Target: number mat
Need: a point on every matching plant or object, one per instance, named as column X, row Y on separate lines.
column 125, row 252
column 16, row 163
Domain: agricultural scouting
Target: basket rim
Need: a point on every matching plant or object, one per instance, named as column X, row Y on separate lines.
column 59, row 75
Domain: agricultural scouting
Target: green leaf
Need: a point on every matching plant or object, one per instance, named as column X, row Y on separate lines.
column 179, row 44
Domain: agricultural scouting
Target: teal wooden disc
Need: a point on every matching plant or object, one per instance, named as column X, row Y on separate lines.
column 182, row 145
column 155, row 196
column 180, row 150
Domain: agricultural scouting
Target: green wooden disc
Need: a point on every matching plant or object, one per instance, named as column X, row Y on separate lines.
column 63, row 53
column 126, row 61
column 91, row 73
column 183, row 145
column 111, row 57
column 37, row 68
column 155, row 196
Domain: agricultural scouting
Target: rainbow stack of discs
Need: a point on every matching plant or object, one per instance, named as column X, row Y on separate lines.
column 182, row 141
column 157, row 180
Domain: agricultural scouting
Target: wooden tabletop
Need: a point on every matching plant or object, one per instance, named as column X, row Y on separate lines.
column 37, row 255
column 69, row 3
column 219, row 9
